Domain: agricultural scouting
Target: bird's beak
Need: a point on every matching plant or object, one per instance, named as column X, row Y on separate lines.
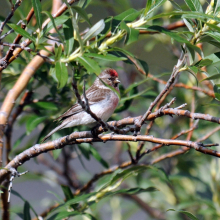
column 117, row 80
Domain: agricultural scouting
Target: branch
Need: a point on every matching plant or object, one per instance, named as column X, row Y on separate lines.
column 87, row 137
column 13, row 9
column 181, row 85
column 173, row 76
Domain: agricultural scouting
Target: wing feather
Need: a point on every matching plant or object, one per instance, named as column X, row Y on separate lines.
column 93, row 94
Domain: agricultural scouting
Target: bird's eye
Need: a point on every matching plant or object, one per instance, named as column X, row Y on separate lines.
column 109, row 78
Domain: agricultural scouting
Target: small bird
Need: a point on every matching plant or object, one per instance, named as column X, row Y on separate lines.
column 102, row 101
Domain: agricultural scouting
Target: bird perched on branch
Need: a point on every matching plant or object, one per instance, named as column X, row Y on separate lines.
column 102, row 101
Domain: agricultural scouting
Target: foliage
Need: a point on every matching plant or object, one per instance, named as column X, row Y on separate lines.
column 181, row 187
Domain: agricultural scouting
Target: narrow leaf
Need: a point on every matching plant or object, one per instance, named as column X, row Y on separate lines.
column 90, row 64
column 204, row 62
column 68, row 35
column 45, row 105
column 37, row 11
column 194, row 5
column 61, row 74
column 21, row 31
column 58, row 21
column 214, row 35
column 97, row 156
column 26, row 214
column 75, row 25
column 154, row 5
column 94, row 30
column 216, row 76
column 67, row 192
column 107, row 57
column 82, row 13
column 135, row 96
column 33, row 122
column 54, row 25
column 135, row 85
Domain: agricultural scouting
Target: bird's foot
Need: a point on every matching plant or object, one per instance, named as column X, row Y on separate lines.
column 94, row 131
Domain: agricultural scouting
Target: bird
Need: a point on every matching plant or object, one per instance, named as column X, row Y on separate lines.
column 102, row 101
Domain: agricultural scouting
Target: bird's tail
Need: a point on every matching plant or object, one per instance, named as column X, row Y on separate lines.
column 53, row 131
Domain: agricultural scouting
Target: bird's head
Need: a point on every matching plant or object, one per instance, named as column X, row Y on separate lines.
column 110, row 77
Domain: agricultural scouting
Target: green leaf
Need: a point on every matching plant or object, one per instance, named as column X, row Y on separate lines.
column 217, row 96
column 77, row 199
column 214, row 26
column 126, row 104
column 90, row 64
column 194, row 5
column 85, row 150
column 58, row 52
column 58, row 197
column 33, row 121
column 135, row 96
column 121, row 175
column 89, row 216
column 67, row 192
column 216, row 6
column 141, row 65
column 82, row 13
column 154, row 5
column 190, row 215
column 26, row 212
column 21, row 31
column 97, row 156
column 68, row 35
column 37, row 12
column 216, row 76
column 45, row 105
column 107, row 57
column 54, row 25
column 61, row 74
column 132, row 191
column 132, row 34
column 135, row 84
column 204, row 62
column 75, row 26
column 169, row 33
column 84, row 3
column 215, row 57
column 94, row 30
column 127, row 16
column 57, row 152
column 188, row 24
column 64, row 214
column 148, row 6
column 193, row 71
column 186, row 14
column 18, row 195
column 58, row 21
column 176, row 6
column 214, row 35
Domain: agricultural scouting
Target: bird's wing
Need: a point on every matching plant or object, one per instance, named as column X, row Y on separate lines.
column 93, row 96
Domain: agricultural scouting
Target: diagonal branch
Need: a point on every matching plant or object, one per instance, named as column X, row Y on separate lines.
column 13, row 9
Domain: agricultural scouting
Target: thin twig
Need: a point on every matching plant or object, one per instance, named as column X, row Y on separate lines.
column 13, row 9
column 173, row 76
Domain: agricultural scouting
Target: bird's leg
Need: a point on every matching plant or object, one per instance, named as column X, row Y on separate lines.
column 94, row 130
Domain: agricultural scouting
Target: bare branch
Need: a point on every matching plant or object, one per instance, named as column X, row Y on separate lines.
column 13, row 9
column 173, row 76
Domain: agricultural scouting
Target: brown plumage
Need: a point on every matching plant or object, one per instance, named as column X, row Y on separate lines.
column 102, row 101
